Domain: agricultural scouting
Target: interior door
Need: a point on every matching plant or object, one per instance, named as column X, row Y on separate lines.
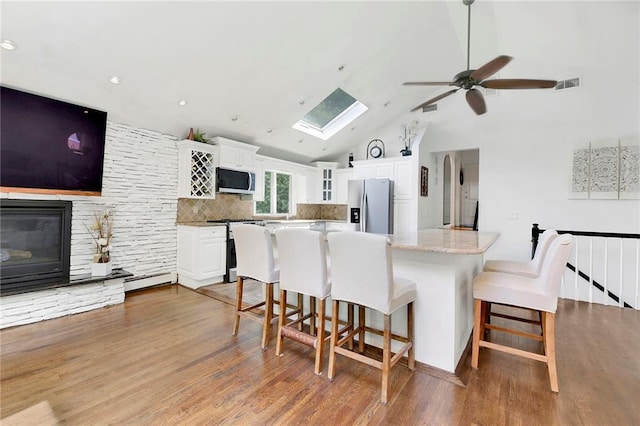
column 469, row 193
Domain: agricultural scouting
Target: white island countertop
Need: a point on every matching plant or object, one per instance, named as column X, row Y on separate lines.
column 445, row 241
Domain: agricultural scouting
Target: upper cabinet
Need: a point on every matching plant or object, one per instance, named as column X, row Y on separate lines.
column 398, row 169
column 342, row 177
column 236, row 155
column 197, row 169
column 327, row 181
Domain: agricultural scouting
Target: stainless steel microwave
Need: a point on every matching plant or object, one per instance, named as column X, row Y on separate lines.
column 235, row 181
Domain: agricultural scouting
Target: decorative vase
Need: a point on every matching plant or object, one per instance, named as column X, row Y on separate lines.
column 100, row 269
column 191, row 136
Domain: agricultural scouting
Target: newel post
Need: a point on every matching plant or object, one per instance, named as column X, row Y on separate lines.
column 535, row 233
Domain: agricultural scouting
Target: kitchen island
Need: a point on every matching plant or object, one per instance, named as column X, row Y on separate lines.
column 442, row 263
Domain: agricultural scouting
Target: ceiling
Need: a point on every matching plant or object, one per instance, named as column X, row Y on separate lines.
column 250, row 70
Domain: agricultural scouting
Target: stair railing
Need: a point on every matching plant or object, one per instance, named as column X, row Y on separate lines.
column 625, row 266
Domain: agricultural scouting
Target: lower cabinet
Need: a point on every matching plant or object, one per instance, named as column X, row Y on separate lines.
column 202, row 255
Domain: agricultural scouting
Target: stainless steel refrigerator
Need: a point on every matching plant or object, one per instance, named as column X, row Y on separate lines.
column 370, row 205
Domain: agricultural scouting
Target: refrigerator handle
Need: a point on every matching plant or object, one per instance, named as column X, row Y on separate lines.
column 363, row 214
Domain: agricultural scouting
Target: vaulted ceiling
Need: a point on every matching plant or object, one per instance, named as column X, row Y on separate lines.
column 250, row 70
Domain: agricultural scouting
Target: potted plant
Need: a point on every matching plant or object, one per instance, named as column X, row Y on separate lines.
column 197, row 136
column 407, row 138
column 101, row 232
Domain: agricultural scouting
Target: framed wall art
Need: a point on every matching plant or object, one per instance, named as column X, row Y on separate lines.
column 424, row 181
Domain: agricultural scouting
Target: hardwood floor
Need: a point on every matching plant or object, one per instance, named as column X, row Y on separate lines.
column 167, row 356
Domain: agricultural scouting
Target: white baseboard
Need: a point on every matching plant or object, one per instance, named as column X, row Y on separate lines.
column 137, row 283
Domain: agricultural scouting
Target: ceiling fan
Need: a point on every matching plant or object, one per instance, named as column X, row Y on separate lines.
column 469, row 78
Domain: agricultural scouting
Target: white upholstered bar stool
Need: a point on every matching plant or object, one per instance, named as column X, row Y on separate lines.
column 303, row 269
column 255, row 260
column 362, row 274
column 540, row 293
column 529, row 269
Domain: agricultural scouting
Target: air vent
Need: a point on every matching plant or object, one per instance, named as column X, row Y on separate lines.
column 568, row 84
column 428, row 108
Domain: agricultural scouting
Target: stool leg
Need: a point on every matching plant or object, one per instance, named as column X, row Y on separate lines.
column 320, row 337
column 477, row 330
column 300, row 313
column 236, row 321
column 351, row 321
column 334, row 338
column 268, row 315
column 361, row 326
column 411, row 354
column 386, row 358
column 281, row 321
column 312, row 319
column 550, row 348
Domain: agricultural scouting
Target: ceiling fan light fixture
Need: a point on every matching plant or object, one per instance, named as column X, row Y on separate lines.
column 470, row 78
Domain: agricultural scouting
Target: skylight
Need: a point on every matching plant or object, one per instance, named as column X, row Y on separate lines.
column 331, row 115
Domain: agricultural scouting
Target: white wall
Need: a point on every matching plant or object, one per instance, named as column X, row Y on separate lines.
column 527, row 137
column 140, row 187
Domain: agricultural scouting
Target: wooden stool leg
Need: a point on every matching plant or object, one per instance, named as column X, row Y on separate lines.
column 411, row 354
column 334, row 338
column 550, row 348
column 268, row 315
column 320, row 336
column 281, row 322
column 312, row 319
column 300, row 313
column 236, row 321
column 477, row 330
column 386, row 358
column 361, row 326
column 350, row 320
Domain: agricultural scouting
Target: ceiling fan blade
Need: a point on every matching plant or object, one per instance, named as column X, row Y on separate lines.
column 518, row 83
column 476, row 101
column 434, row 100
column 490, row 68
column 427, row 83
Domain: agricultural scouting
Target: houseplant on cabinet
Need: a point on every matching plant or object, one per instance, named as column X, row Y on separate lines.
column 101, row 232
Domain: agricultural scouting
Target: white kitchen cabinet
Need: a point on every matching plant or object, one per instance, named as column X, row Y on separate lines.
column 197, row 170
column 258, row 195
column 201, row 255
column 326, row 179
column 236, row 155
column 342, row 177
column 403, row 187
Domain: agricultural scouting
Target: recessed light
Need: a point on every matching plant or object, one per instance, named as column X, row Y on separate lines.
column 182, row 102
column 7, row 44
column 114, row 79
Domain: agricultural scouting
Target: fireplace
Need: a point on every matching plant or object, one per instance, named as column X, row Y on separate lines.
column 35, row 244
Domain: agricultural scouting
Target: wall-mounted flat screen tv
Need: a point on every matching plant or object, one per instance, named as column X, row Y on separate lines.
column 49, row 146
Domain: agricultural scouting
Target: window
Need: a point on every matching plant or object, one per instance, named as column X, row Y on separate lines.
column 331, row 115
column 277, row 194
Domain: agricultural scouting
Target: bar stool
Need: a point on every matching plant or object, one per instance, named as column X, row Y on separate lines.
column 540, row 294
column 303, row 270
column 255, row 260
column 362, row 274
column 526, row 269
